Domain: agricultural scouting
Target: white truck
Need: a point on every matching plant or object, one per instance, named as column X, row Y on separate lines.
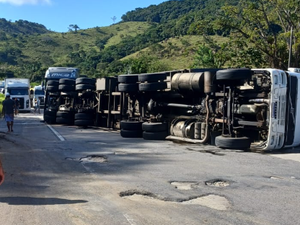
column 38, row 93
column 18, row 88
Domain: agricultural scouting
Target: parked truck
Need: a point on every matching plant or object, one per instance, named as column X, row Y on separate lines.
column 38, row 93
column 18, row 88
column 229, row 108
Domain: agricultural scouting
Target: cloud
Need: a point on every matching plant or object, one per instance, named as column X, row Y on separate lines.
column 25, row 2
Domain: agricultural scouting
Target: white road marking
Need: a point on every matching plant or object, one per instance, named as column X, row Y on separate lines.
column 56, row 133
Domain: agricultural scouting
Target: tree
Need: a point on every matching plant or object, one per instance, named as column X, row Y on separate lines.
column 73, row 27
column 265, row 24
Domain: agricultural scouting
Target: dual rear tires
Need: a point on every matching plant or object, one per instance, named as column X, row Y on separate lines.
column 84, row 119
column 148, row 131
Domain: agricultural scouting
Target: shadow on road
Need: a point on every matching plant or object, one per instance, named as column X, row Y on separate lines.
column 39, row 201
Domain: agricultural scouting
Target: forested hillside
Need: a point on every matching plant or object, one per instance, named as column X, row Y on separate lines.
column 175, row 34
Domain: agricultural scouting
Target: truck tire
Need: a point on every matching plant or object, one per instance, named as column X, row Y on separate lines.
column 50, row 119
column 85, row 80
column 158, row 135
column 128, row 87
column 131, row 125
column 131, row 133
column 65, row 114
column 61, row 120
column 82, row 87
column 128, row 78
column 52, row 82
column 50, row 113
column 156, row 86
column 51, row 88
column 233, row 143
column 154, row 77
column 154, row 127
column 84, row 116
column 84, row 123
column 66, row 88
column 67, row 81
column 229, row 75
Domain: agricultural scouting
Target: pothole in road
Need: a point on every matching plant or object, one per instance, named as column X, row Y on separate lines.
column 217, row 183
column 185, row 185
column 211, row 201
column 94, row 158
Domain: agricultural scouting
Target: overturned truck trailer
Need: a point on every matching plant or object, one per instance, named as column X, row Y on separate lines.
column 232, row 108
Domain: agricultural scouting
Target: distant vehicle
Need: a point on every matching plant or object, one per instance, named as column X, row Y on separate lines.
column 18, row 88
column 38, row 92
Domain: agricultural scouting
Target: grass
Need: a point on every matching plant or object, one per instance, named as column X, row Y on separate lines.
column 176, row 53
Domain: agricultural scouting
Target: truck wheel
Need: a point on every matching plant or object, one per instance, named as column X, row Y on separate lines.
column 50, row 119
column 50, row 113
column 152, row 86
column 236, row 75
column 51, row 88
column 154, row 77
column 131, row 133
column 153, row 127
column 84, row 116
column 83, row 123
column 82, row 87
column 52, row 82
column 85, row 80
column 128, row 87
column 66, row 88
column 131, row 125
column 65, row 114
column 128, row 78
column 67, row 81
column 233, row 143
column 158, row 135
column 61, row 120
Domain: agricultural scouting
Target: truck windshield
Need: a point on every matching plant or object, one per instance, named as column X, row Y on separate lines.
column 18, row 91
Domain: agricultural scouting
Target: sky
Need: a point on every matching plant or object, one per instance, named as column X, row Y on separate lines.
column 57, row 15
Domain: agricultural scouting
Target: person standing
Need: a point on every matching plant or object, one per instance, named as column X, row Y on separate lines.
column 8, row 111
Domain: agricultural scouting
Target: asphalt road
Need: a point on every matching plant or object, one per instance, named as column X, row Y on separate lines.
column 68, row 175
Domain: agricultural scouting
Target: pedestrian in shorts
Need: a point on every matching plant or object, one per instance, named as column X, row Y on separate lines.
column 8, row 111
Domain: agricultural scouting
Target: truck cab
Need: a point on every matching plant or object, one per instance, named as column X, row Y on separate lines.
column 19, row 88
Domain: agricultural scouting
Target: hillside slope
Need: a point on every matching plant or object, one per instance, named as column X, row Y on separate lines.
column 162, row 31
